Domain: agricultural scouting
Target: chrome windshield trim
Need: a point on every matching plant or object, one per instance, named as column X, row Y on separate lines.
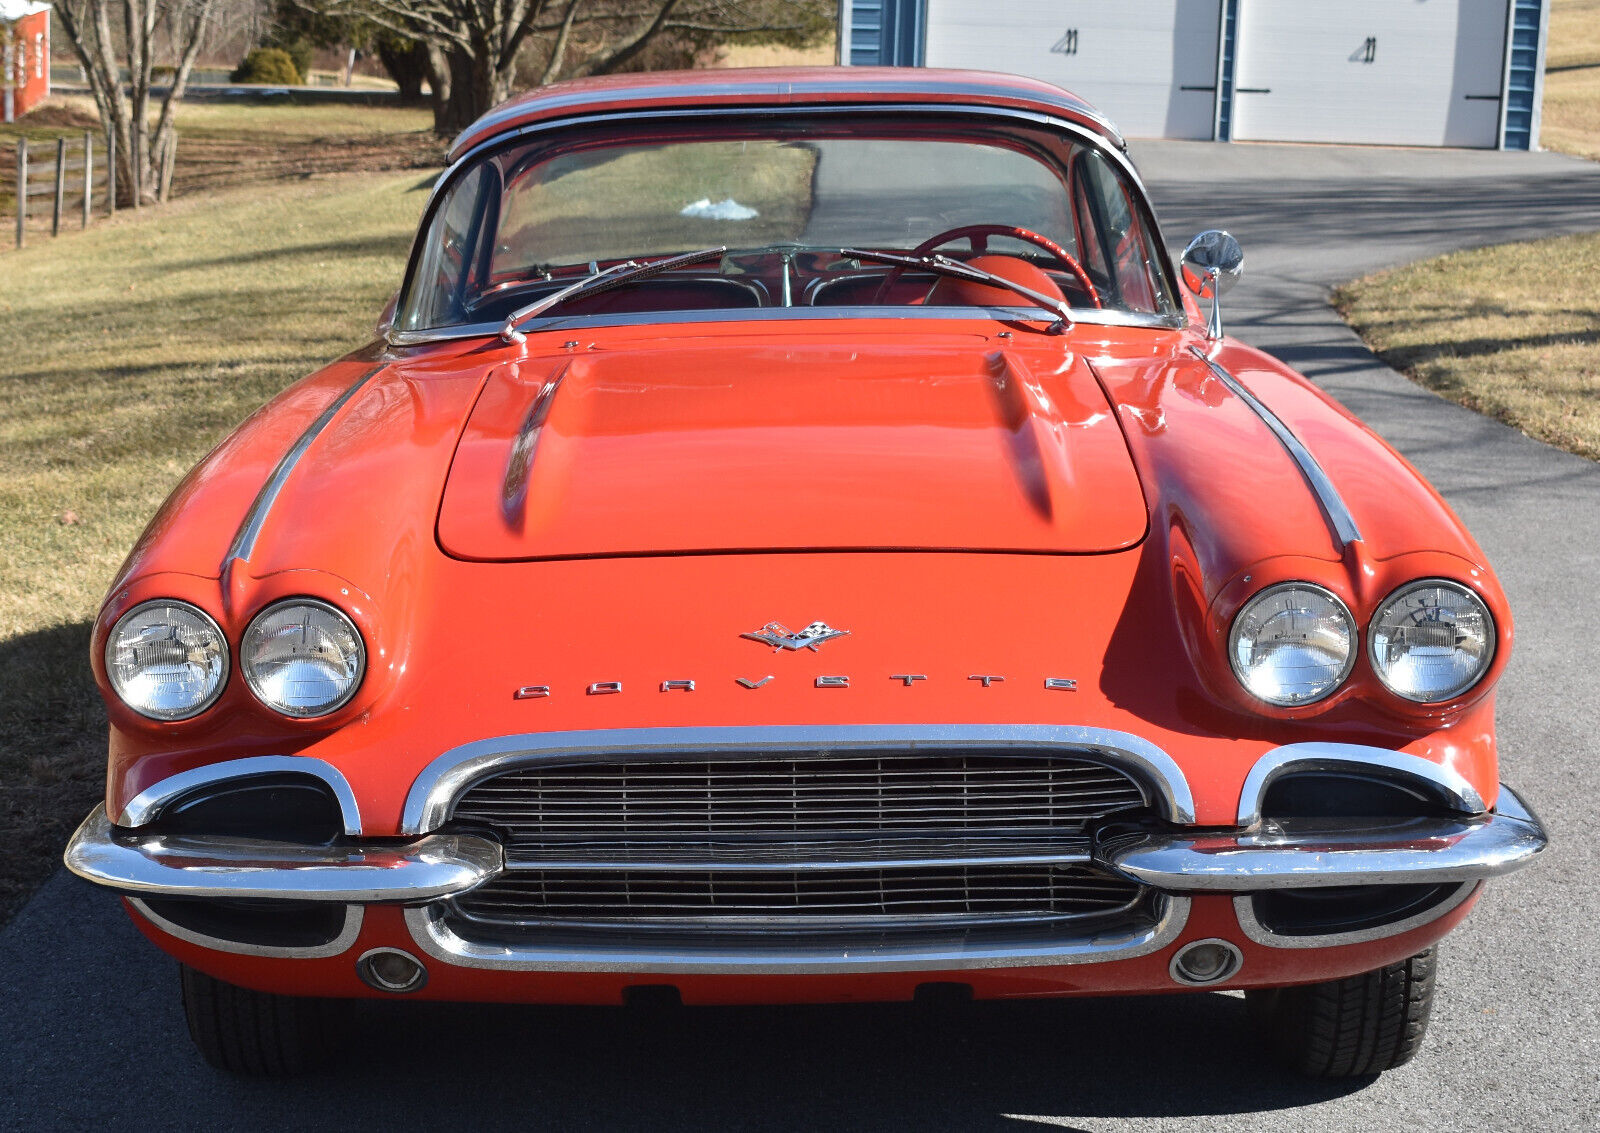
column 1113, row 151
column 1340, row 522
column 1301, row 853
column 1445, row 783
column 1244, row 909
column 1079, row 316
column 244, row 540
column 781, row 99
column 802, row 954
column 435, row 866
column 348, row 932
column 433, row 795
column 148, row 803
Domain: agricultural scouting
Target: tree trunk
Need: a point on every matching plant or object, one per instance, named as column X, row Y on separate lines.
column 406, row 61
column 125, row 110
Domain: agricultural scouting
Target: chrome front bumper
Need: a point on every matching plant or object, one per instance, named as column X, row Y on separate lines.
column 367, row 872
column 1277, row 855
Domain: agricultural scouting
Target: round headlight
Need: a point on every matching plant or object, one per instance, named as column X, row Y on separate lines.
column 167, row 660
column 1292, row 644
column 1432, row 640
column 302, row 657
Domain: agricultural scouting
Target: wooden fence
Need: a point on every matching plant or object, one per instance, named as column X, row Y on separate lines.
column 71, row 175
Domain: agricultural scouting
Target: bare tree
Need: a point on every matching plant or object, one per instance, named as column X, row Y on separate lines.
column 474, row 44
column 105, row 51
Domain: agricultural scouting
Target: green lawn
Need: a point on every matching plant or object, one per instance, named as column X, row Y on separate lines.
column 131, row 349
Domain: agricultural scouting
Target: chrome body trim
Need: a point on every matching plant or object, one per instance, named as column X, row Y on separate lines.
column 1253, row 929
column 244, row 540
column 820, row 854
column 803, row 954
column 433, row 795
column 339, row 945
column 1444, row 782
column 1340, row 522
column 426, row 869
column 1113, row 149
column 1298, row 853
column 146, row 806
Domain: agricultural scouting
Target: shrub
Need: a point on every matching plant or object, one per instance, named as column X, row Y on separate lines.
column 269, row 65
column 299, row 52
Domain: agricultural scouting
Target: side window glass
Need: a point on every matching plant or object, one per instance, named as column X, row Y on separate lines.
column 1123, row 251
column 447, row 255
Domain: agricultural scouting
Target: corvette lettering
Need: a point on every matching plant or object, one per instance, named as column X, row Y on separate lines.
column 832, row 680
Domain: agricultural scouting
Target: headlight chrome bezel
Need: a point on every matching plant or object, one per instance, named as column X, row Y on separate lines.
column 287, row 711
column 1492, row 638
column 1352, row 651
column 224, row 655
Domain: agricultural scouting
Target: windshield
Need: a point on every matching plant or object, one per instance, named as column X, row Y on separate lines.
column 1045, row 212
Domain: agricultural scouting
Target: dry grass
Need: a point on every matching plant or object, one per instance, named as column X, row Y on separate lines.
column 130, row 349
column 773, row 55
column 1511, row 331
column 1571, row 116
column 222, row 144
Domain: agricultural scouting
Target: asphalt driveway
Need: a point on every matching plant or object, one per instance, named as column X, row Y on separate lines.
column 91, row 1034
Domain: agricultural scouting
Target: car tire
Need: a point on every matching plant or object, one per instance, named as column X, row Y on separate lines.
column 1353, row 1027
column 255, row 1032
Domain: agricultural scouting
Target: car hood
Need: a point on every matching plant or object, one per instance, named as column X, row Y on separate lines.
column 705, row 448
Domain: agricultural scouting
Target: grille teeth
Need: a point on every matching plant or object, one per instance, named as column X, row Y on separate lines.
column 812, row 796
column 760, row 842
column 903, row 895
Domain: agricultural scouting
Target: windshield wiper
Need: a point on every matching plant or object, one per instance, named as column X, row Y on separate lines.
column 614, row 276
column 944, row 265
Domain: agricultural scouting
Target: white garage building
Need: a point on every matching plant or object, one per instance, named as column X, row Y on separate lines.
column 1394, row 72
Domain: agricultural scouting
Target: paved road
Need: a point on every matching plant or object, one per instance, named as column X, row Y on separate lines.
column 91, row 1036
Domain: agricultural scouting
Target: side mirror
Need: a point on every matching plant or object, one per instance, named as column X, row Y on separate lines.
column 1212, row 263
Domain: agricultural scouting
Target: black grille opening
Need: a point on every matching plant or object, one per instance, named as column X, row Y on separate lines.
column 1324, row 911
column 1334, row 794
column 287, row 807
column 266, row 924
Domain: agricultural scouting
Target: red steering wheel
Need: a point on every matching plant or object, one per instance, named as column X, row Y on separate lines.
column 979, row 235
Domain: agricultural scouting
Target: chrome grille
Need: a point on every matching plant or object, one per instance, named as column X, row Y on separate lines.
column 810, row 795
column 768, row 898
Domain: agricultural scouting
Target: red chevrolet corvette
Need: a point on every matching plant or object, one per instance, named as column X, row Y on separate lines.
column 796, row 538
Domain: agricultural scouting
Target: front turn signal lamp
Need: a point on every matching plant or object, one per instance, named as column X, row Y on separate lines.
column 1431, row 640
column 167, row 660
column 1292, row 644
column 302, row 657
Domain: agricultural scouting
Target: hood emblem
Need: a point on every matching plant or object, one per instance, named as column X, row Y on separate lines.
column 777, row 635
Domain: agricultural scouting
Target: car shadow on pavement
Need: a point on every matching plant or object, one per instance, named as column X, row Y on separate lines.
column 92, row 1012
column 971, row 1066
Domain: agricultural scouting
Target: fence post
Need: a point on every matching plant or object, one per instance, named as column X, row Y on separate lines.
column 88, row 174
column 111, row 171
column 22, row 191
column 61, row 186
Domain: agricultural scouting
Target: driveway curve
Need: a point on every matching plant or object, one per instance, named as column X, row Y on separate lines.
column 92, row 1035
